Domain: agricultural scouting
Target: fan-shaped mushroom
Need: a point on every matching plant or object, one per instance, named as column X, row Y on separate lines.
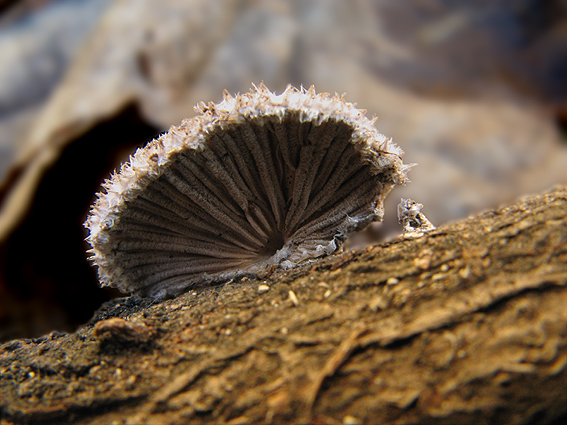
column 256, row 180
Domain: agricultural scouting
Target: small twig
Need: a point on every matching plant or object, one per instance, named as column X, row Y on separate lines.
column 340, row 355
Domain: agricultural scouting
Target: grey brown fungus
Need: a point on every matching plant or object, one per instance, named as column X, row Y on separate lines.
column 257, row 180
column 412, row 219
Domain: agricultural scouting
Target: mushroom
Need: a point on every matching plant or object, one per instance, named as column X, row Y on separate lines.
column 412, row 219
column 256, row 180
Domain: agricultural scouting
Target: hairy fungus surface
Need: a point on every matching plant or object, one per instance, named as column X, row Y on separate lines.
column 257, row 180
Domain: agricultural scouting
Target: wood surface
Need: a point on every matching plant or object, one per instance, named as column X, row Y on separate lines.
column 465, row 324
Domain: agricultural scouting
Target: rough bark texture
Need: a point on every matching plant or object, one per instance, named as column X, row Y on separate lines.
column 466, row 324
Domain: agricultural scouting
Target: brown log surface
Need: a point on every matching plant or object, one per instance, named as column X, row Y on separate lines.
column 466, row 324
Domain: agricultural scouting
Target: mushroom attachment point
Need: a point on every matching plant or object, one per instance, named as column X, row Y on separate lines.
column 254, row 181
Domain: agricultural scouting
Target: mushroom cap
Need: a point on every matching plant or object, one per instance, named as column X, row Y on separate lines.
column 257, row 180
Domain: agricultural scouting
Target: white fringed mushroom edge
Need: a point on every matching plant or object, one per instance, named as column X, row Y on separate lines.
column 149, row 162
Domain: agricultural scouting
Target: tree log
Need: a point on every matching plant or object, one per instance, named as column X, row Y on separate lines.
column 465, row 324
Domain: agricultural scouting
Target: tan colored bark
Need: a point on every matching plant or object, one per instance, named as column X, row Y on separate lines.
column 466, row 324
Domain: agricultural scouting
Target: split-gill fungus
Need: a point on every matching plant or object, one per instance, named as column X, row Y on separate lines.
column 257, row 180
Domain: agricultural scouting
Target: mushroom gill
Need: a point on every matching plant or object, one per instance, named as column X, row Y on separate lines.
column 256, row 180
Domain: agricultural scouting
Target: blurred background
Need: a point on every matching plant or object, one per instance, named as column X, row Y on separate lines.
column 474, row 91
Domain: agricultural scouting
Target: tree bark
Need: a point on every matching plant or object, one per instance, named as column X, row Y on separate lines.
column 466, row 324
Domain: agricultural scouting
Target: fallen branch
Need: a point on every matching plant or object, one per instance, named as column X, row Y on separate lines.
column 466, row 324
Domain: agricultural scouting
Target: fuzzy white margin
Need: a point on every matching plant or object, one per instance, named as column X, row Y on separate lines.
column 148, row 163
